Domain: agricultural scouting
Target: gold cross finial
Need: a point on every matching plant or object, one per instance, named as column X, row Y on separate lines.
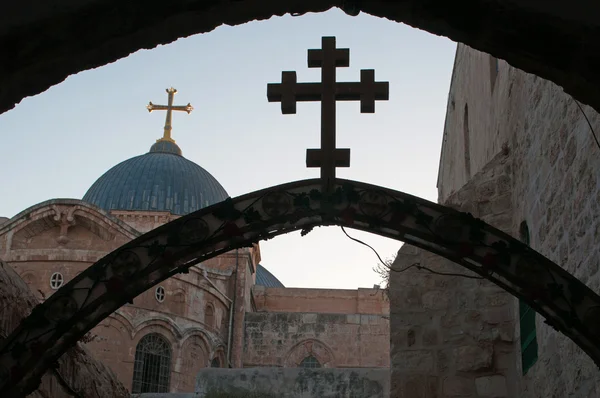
column 169, row 108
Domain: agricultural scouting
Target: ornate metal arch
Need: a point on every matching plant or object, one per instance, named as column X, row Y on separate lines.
column 53, row 326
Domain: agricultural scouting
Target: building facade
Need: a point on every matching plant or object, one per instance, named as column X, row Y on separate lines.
column 228, row 312
column 520, row 154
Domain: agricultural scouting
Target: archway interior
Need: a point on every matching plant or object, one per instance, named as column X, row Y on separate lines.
column 60, row 321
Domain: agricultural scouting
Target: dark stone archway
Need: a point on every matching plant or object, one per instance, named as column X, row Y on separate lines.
column 55, row 325
column 42, row 43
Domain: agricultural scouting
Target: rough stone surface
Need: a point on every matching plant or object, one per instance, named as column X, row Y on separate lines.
column 460, row 325
column 491, row 386
column 347, row 328
column 78, row 374
column 67, row 236
column 335, row 340
column 551, row 169
column 293, row 383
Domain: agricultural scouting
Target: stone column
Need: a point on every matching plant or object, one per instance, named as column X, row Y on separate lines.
column 237, row 344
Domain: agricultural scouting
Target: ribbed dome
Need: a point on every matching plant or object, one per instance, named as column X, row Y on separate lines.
column 161, row 180
column 265, row 278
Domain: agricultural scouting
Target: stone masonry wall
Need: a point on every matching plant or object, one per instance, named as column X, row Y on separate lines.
column 67, row 236
column 293, row 383
column 78, row 373
column 335, row 340
column 339, row 301
column 453, row 336
column 555, row 177
column 556, row 191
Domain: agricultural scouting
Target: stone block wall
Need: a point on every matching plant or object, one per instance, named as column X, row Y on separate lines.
column 339, row 301
column 292, row 383
column 554, row 166
column 335, row 340
column 556, row 192
column 67, row 236
column 453, row 336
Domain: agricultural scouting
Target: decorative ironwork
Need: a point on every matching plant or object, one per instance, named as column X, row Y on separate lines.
column 310, row 362
column 159, row 294
column 56, row 324
column 152, row 366
column 56, row 280
column 367, row 91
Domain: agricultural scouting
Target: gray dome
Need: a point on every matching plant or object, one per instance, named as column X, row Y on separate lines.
column 160, row 180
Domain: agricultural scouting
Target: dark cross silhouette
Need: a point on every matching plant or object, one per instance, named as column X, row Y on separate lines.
column 289, row 91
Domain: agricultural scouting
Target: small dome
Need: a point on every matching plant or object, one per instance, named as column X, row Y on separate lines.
column 166, row 146
column 265, row 278
column 160, row 180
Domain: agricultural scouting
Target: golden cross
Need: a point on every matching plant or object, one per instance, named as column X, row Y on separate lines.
column 169, row 108
column 328, row 157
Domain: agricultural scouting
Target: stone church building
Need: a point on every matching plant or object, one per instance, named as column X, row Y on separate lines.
column 227, row 312
column 516, row 152
column 522, row 155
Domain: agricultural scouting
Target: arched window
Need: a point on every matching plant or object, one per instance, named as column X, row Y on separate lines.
column 215, row 363
column 467, row 142
column 209, row 315
column 310, row 362
column 152, row 366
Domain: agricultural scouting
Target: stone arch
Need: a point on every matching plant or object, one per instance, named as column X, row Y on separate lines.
column 566, row 303
column 50, row 214
column 516, row 33
column 195, row 355
column 308, row 348
column 30, row 279
column 122, row 322
column 159, row 324
column 219, row 359
column 112, row 339
column 209, row 315
column 179, row 302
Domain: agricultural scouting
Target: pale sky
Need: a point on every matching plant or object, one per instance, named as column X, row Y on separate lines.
column 56, row 144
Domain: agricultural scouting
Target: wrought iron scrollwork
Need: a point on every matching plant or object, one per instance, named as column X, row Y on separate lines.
column 78, row 306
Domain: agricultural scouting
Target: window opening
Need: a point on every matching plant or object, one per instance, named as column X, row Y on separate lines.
column 467, row 142
column 159, row 294
column 310, row 362
column 152, row 366
column 209, row 315
column 529, row 346
column 56, row 280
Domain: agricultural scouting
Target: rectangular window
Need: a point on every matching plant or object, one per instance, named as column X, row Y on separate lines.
column 529, row 347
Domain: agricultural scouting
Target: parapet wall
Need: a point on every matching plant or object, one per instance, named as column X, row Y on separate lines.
column 329, row 301
column 287, row 383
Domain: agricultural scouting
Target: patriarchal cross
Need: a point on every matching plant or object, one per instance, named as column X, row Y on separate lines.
column 367, row 91
column 169, row 108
